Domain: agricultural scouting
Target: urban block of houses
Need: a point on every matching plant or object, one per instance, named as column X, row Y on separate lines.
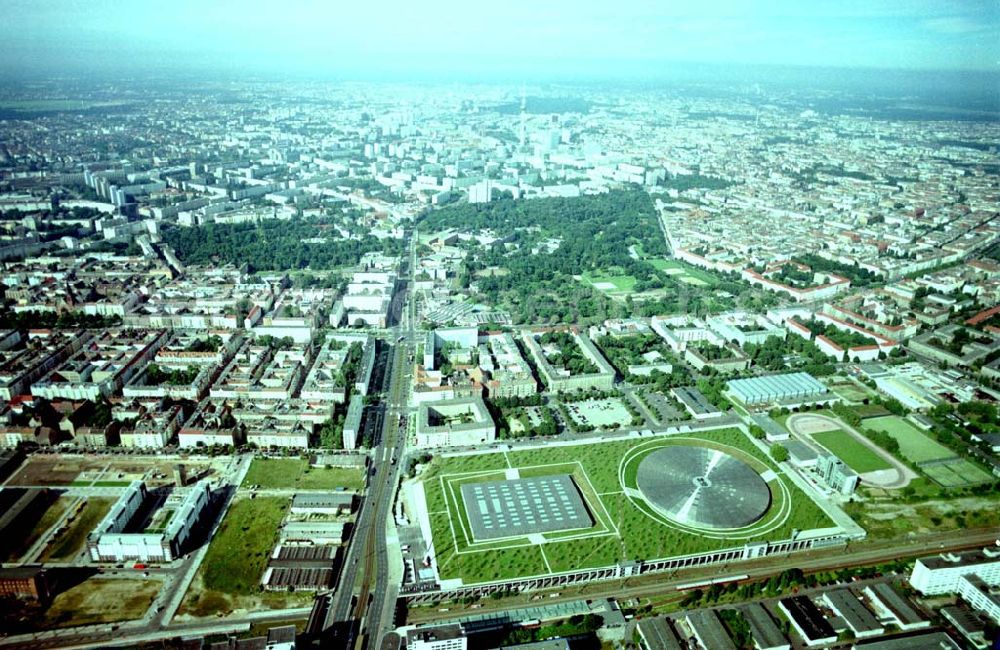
column 812, row 285
column 102, row 367
column 456, row 422
column 559, row 380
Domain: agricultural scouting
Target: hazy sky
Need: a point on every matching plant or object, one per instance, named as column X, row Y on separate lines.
column 503, row 37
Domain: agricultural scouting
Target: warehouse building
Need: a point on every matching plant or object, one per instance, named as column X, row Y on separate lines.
column 764, row 631
column 657, row 634
column 300, row 568
column 807, row 620
column 330, row 503
column 853, row 613
column 788, row 389
column 893, row 608
column 313, row 532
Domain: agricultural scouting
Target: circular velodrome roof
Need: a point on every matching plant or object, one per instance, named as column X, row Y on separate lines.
column 702, row 487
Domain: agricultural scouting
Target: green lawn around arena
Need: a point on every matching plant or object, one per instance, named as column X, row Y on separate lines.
column 622, row 530
column 913, row 444
column 847, row 448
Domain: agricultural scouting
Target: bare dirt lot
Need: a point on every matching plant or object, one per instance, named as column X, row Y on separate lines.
column 101, row 601
column 55, row 470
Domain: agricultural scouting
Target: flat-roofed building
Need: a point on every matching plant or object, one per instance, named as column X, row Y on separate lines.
column 975, row 591
column 853, row 612
column 695, row 403
column 24, row 582
column 968, row 624
column 709, row 630
column 763, row 630
column 890, row 606
column 313, row 532
column 787, row 389
column 300, row 568
column 807, row 620
column 559, row 380
column 455, row 422
column 112, row 542
column 939, row 574
column 919, row 641
column 656, row 633
column 440, row 637
column 330, row 503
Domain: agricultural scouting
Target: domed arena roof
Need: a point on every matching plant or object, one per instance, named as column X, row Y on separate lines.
column 702, row 487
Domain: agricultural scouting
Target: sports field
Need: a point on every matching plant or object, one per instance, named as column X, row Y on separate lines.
column 610, row 283
column 848, row 449
column 913, row 444
column 624, row 526
column 956, row 473
column 850, row 391
column 684, row 272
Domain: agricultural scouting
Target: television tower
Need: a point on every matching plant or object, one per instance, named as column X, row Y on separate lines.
column 524, row 116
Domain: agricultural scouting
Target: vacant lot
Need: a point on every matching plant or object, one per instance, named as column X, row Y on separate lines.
column 913, row 444
column 848, row 449
column 46, row 470
column 67, row 544
column 237, row 555
column 229, row 577
column 101, row 601
column 295, row 473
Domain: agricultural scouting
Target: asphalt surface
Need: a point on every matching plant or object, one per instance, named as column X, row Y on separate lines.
column 355, row 610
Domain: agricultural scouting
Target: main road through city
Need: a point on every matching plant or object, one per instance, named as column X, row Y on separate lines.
column 354, row 609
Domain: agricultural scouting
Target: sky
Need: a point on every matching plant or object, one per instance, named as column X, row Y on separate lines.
column 507, row 37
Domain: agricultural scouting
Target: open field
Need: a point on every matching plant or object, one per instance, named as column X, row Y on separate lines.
column 913, row 444
column 623, row 528
column 609, row 283
column 229, row 577
column 71, row 541
column 47, row 519
column 847, row 448
column 295, row 473
column 101, row 601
